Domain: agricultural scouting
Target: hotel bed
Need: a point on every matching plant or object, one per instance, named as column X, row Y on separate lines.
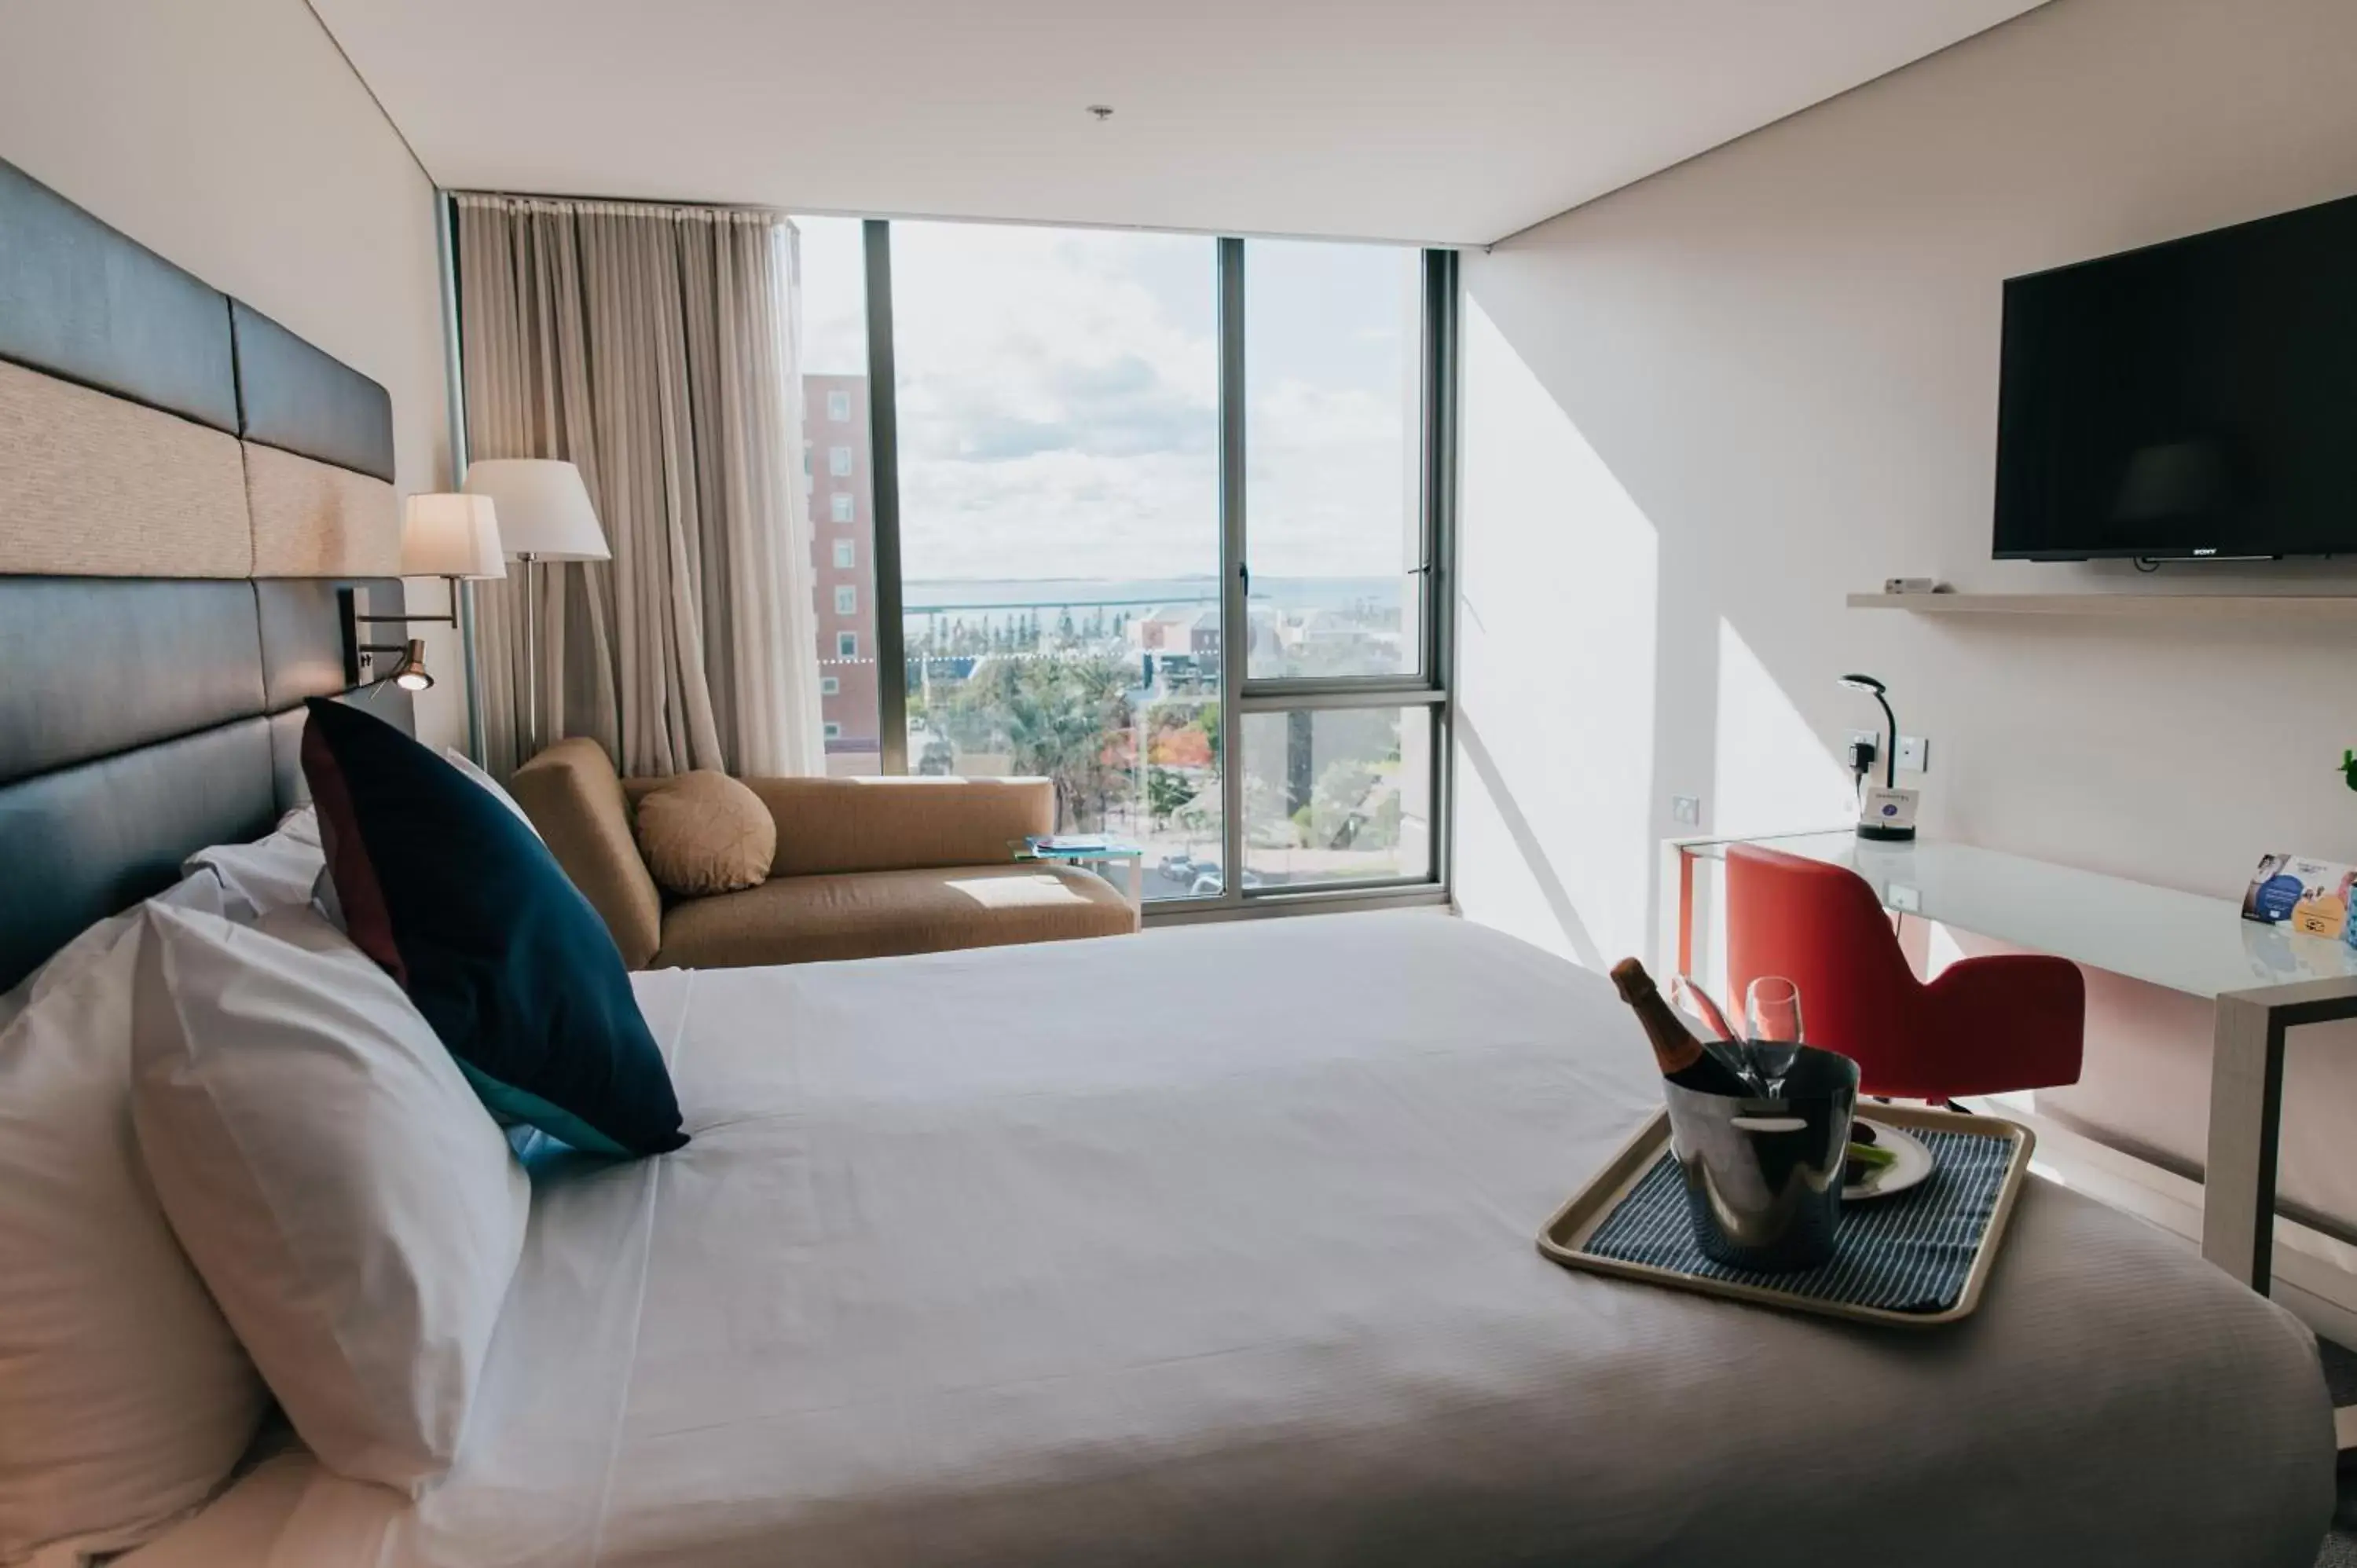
column 1212, row 1246
column 1215, row 1247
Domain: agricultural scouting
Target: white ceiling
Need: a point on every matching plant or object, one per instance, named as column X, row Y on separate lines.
column 1442, row 121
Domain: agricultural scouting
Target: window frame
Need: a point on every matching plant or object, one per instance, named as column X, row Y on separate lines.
column 830, row 685
column 846, row 598
column 846, row 645
column 838, row 398
column 1429, row 687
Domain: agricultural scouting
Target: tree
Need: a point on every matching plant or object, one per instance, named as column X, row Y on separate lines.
column 939, row 758
column 1166, row 793
column 1353, row 807
column 1050, row 715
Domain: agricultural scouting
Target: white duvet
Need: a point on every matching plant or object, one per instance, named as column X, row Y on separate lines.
column 1214, row 1246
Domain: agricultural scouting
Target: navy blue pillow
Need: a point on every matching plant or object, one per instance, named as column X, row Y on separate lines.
column 461, row 903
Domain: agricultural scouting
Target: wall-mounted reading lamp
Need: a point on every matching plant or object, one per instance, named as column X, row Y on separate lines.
column 454, row 537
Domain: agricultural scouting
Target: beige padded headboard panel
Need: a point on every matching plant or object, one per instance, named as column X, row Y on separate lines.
column 172, row 493
column 152, row 426
column 315, row 519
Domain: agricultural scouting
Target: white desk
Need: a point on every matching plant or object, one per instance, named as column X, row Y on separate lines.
column 2263, row 980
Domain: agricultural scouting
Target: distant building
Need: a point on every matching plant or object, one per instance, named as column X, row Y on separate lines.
column 1182, row 638
column 835, row 474
column 1331, row 639
column 1165, row 631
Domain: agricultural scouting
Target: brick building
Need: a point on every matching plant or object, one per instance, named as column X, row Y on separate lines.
column 842, row 552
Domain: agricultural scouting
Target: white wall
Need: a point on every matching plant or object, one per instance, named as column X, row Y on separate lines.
column 1702, row 409
column 232, row 137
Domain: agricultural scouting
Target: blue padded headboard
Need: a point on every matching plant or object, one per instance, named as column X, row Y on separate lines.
column 142, row 717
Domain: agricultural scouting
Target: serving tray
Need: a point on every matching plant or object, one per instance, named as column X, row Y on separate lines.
column 1566, row 1238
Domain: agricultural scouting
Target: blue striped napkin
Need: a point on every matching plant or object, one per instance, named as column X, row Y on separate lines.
column 1909, row 1252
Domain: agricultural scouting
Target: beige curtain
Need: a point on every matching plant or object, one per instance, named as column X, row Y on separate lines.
column 657, row 349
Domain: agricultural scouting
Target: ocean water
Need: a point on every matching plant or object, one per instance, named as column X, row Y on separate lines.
column 986, row 601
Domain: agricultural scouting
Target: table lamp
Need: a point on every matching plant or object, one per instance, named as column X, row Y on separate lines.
column 446, row 535
column 544, row 515
column 1888, row 814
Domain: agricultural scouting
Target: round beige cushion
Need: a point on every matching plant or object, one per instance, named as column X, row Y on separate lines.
column 704, row 832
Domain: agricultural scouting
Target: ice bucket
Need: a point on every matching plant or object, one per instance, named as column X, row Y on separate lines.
column 1763, row 1177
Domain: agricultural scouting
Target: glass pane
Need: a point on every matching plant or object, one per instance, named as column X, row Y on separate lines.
column 1059, row 525
column 1333, row 336
column 1337, row 795
column 843, row 520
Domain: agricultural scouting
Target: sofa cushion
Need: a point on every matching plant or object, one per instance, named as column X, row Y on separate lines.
column 876, row 914
column 703, row 833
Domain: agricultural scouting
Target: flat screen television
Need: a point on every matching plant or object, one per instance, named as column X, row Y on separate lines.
column 2193, row 400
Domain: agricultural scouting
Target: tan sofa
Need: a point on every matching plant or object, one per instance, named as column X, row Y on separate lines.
column 864, row 868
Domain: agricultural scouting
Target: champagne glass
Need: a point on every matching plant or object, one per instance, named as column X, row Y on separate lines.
column 1772, row 1025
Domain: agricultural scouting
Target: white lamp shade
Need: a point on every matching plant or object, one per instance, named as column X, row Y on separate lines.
column 543, row 509
column 450, row 536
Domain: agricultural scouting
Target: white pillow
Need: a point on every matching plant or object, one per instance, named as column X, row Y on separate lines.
column 124, row 1397
column 275, row 872
column 465, row 764
column 356, row 1212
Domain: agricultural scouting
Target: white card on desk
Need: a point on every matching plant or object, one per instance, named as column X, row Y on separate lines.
column 1889, row 808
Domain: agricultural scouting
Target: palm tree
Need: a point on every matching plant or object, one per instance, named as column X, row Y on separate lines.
column 1058, row 712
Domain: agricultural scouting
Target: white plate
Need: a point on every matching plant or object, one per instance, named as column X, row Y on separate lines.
column 1913, row 1164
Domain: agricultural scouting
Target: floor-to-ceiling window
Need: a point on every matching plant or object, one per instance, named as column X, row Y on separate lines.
column 1337, row 750
column 1161, row 518
column 1058, row 419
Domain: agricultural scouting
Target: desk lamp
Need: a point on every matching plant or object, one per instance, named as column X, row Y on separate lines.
column 1888, row 814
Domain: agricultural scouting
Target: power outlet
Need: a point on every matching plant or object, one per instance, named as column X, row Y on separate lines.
column 1687, row 810
column 1915, row 754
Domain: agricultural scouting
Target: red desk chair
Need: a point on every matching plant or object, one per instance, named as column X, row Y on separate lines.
column 1983, row 1027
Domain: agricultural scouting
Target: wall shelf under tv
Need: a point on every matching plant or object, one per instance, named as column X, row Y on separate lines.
column 2300, row 607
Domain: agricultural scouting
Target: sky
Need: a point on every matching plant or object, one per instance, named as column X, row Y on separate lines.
column 1059, row 398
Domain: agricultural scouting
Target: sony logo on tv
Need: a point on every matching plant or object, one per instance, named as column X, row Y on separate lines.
column 2211, row 551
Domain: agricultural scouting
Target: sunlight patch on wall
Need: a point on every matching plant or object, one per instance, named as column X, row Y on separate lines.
column 1559, row 576
column 1773, row 774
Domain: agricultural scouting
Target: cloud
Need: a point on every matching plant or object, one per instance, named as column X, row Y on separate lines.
column 1059, row 410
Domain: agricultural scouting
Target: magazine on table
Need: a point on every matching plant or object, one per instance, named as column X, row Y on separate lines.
column 2312, row 896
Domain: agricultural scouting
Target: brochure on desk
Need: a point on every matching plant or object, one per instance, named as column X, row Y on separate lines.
column 2310, row 897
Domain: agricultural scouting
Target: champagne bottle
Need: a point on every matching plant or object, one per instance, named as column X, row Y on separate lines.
column 1684, row 1060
